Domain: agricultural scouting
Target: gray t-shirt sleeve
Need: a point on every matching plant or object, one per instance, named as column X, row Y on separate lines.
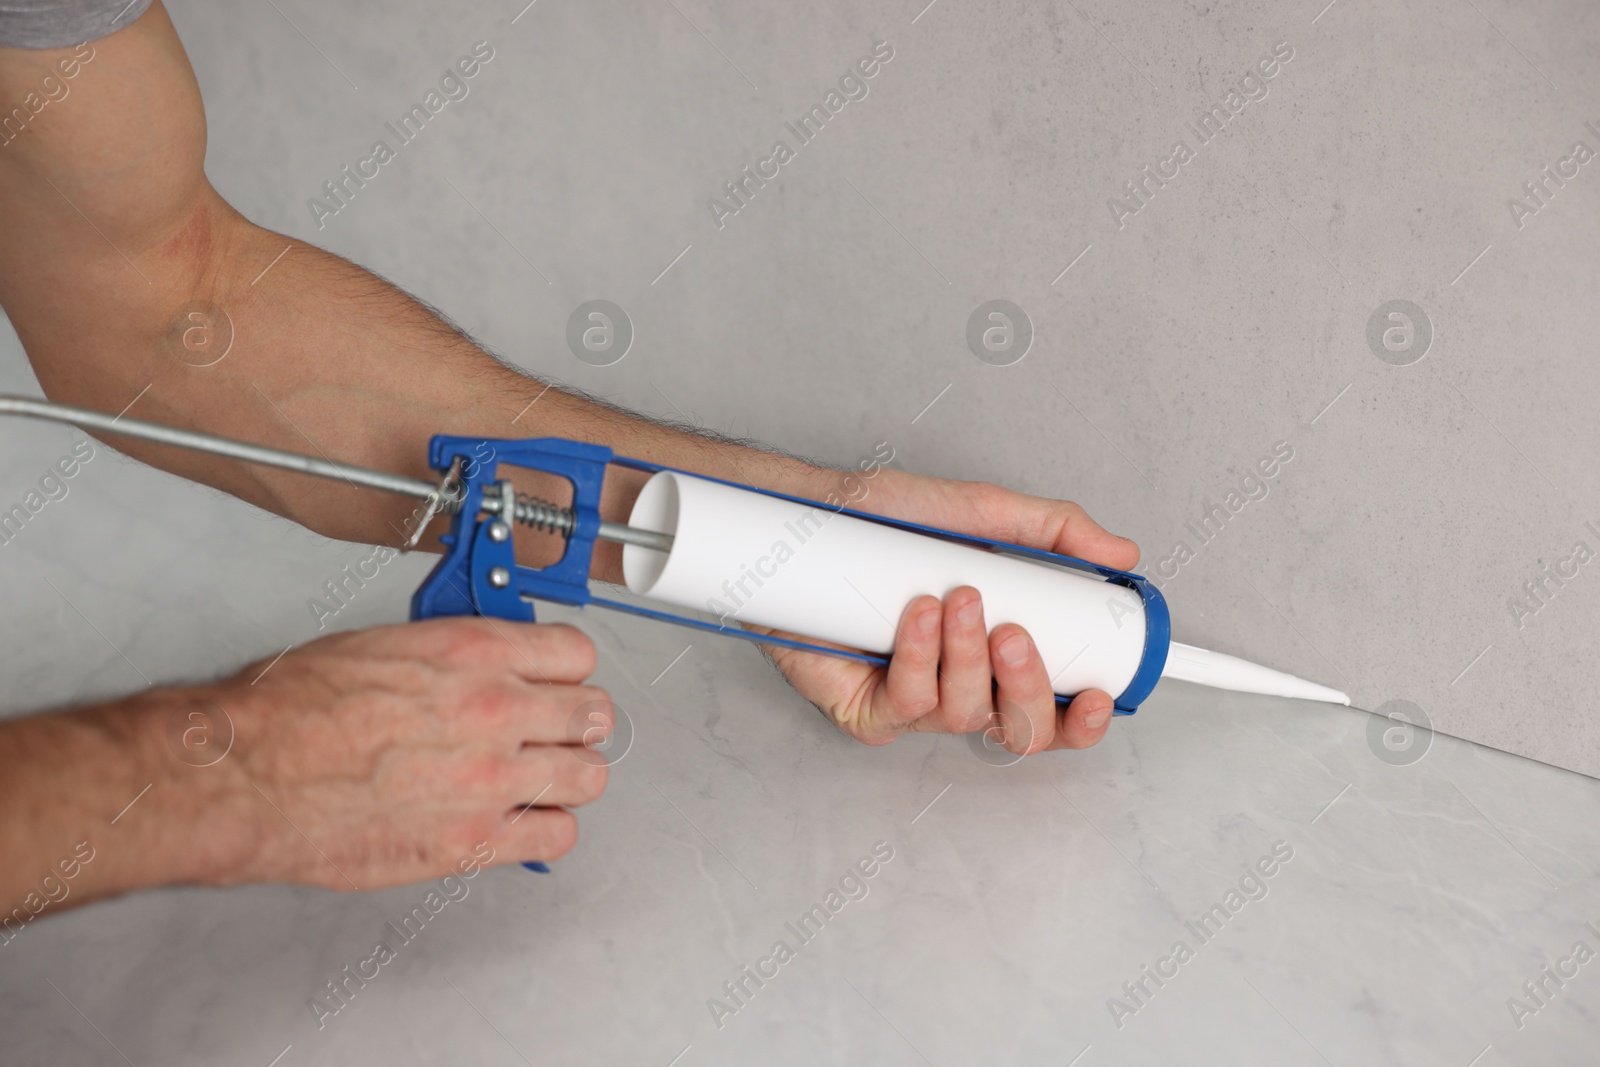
column 63, row 23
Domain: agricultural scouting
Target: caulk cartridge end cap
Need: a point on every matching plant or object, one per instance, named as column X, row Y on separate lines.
column 1221, row 671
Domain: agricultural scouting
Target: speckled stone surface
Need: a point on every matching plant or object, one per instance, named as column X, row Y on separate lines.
column 1427, row 472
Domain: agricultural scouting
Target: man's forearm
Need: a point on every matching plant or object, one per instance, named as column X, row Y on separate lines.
column 328, row 359
column 90, row 811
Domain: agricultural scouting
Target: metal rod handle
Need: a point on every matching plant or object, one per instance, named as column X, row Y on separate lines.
column 528, row 510
column 221, row 446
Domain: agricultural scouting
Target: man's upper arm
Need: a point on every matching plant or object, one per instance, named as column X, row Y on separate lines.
column 102, row 153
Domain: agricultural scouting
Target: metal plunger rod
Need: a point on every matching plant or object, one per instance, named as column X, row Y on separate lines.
column 633, row 535
column 221, row 446
column 549, row 516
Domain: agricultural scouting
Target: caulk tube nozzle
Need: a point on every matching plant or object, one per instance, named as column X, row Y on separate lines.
column 1220, row 671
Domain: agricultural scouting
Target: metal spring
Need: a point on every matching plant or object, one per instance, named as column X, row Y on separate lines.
column 544, row 515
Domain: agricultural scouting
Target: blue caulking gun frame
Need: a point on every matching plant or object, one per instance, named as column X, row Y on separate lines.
column 479, row 574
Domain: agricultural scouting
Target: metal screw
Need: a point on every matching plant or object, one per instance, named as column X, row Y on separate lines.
column 499, row 531
column 499, row 577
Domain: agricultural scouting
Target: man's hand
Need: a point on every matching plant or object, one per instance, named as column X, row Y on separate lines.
column 948, row 673
column 362, row 760
column 394, row 752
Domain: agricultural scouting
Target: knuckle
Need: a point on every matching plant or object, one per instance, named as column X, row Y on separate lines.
column 483, row 772
column 471, row 832
column 1071, row 510
column 464, row 640
column 488, row 708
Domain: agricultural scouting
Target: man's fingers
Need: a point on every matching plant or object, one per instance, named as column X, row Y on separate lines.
column 911, row 689
column 559, row 715
column 1081, row 536
column 544, row 775
column 537, row 652
column 966, row 696
column 589, row 723
column 511, row 712
column 535, row 834
column 1026, row 705
column 550, row 775
column 1056, row 525
column 1085, row 720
